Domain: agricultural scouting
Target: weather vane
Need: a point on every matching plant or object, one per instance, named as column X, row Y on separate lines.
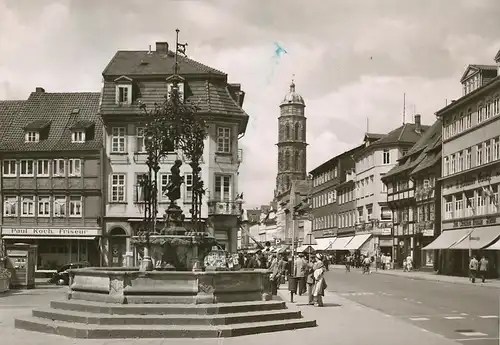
column 180, row 48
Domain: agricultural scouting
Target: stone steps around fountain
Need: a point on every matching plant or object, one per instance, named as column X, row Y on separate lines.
column 170, row 319
column 162, row 309
column 85, row 331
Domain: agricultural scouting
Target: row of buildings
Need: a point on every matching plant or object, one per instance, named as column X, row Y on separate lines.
column 430, row 192
column 72, row 162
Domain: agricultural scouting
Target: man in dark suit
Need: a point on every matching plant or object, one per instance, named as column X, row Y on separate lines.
column 300, row 271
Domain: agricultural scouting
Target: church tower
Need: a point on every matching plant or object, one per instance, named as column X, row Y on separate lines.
column 292, row 143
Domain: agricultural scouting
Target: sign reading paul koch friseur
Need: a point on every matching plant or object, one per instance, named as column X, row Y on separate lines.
column 64, row 232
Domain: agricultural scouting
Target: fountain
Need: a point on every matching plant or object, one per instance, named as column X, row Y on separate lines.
column 181, row 288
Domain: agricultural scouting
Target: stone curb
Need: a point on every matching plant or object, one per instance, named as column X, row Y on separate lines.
column 486, row 285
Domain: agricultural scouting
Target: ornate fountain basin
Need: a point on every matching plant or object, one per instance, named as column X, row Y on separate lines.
column 130, row 286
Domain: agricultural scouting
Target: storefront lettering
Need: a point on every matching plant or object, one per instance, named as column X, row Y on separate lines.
column 473, row 179
column 491, row 220
column 66, row 232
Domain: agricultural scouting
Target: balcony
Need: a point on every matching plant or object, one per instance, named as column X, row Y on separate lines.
column 224, row 208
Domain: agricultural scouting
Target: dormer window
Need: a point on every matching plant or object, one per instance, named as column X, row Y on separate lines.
column 81, row 131
column 36, row 131
column 78, row 136
column 123, row 90
column 32, row 137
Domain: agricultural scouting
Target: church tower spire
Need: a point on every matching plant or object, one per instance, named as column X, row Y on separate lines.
column 292, row 141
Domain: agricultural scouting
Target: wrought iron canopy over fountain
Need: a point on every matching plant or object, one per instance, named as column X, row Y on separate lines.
column 173, row 126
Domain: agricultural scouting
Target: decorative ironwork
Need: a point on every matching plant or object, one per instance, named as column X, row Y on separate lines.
column 172, row 126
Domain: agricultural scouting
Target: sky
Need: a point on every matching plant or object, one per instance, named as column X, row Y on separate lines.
column 352, row 60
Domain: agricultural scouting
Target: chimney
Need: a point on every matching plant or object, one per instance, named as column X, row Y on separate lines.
column 162, row 47
column 418, row 125
column 39, row 89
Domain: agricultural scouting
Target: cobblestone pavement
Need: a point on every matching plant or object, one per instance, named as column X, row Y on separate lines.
column 339, row 322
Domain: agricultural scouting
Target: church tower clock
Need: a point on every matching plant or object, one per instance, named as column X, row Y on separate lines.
column 292, row 143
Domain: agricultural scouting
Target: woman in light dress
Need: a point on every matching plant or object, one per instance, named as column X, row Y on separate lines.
column 319, row 280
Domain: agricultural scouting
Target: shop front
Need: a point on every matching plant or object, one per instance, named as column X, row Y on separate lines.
column 57, row 246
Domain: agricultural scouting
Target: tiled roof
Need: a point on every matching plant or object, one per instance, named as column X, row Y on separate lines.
column 37, row 125
column 154, row 63
column 374, row 136
column 405, row 134
column 428, row 162
column 478, row 68
column 58, row 109
column 417, row 153
column 9, row 111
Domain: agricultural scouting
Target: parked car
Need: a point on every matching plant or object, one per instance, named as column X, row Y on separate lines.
column 61, row 277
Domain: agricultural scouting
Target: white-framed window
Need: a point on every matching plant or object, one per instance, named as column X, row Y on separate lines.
column 9, row 168
column 446, row 166
column 180, row 86
column 118, row 187
column 468, row 159
column 27, row 167
column 75, row 206
column 118, row 140
column 481, row 203
column 496, row 149
column 224, row 139
column 78, row 137
column 460, row 163
column 459, row 207
column 10, row 205
column 140, row 191
column 59, row 206
column 123, row 94
column 140, row 140
column 43, row 206
column 58, row 167
column 164, row 181
column 479, row 155
column 386, row 156
column 32, row 137
column 188, row 185
column 452, row 164
column 222, row 187
column 42, row 166
column 496, row 106
column 28, row 206
column 448, row 209
column 487, row 152
column 75, row 167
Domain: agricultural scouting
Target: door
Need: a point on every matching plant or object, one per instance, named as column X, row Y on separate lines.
column 118, row 247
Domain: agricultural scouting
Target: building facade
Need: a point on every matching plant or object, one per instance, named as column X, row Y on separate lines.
column 413, row 224
column 471, row 172
column 52, row 168
column 135, row 78
column 374, row 217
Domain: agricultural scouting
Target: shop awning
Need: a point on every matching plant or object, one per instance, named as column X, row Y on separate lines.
column 340, row 243
column 447, row 239
column 324, row 243
column 357, row 242
column 494, row 246
column 478, row 239
column 88, row 238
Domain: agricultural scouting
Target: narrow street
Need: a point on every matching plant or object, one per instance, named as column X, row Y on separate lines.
column 466, row 313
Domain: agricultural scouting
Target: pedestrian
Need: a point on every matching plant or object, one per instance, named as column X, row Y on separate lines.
column 319, row 282
column 348, row 259
column 483, row 268
column 473, row 266
column 300, row 267
column 310, row 279
column 275, row 275
column 366, row 265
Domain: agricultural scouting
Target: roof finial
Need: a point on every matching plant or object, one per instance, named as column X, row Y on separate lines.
column 292, row 85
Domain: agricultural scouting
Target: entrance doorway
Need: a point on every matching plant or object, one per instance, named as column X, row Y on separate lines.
column 117, row 247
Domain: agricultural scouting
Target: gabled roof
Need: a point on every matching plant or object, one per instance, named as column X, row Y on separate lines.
column 82, row 124
column 405, row 134
column 128, row 62
column 373, row 136
column 329, row 162
column 417, row 153
column 473, row 68
column 56, row 108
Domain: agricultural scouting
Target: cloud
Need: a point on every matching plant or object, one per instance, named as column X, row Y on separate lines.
column 351, row 60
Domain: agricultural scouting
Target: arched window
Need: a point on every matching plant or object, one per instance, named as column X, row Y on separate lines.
column 297, row 131
column 287, row 160
column 297, row 161
column 288, row 131
column 287, row 182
